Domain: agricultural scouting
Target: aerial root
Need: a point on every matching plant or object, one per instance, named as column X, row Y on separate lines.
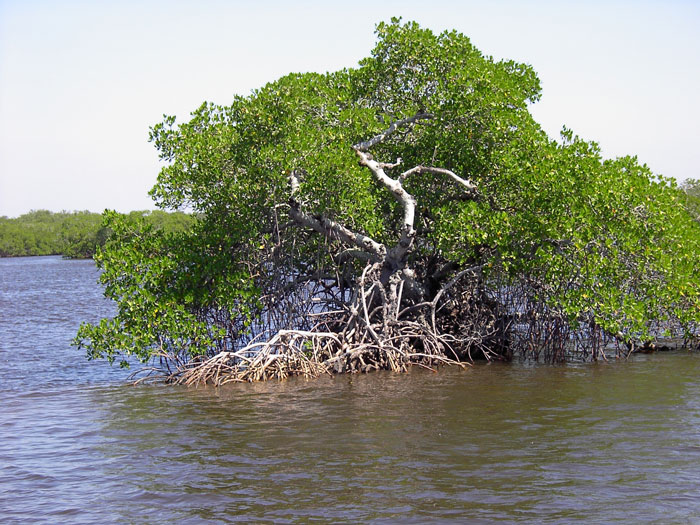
column 372, row 332
column 305, row 354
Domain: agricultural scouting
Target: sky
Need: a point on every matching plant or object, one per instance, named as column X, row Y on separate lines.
column 81, row 82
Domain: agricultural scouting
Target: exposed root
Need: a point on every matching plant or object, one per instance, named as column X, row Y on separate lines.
column 305, row 354
column 375, row 330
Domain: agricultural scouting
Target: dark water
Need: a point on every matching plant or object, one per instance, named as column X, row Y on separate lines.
column 592, row 443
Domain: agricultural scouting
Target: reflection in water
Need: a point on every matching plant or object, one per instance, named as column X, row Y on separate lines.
column 594, row 443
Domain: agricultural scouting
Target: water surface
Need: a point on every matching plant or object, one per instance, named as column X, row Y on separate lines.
column 615, row 442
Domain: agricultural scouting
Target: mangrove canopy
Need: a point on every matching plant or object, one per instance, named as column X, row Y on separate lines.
column 406, row 211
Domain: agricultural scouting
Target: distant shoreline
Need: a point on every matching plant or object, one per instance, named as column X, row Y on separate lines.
column 72, row 235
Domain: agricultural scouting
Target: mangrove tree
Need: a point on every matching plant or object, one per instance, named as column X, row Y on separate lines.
column 408, row 211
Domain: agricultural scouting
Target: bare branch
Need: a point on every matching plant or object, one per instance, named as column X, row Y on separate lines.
column 438, row 171
column 331, row 229
column 407, row 200
column 391, row 165
column 393, row 185
column 377, row 139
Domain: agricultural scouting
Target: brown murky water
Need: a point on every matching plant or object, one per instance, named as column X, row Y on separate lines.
column 598, row 443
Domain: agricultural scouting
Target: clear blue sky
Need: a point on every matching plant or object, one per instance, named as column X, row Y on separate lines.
column 82, row 81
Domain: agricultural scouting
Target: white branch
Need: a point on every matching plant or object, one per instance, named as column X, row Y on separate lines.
column 367, row 144
column 391, row 165
column 377, row 251
column 438, row 171
column 331, row 229
column 407, row 200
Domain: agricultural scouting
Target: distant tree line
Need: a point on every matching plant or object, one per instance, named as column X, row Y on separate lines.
column 77, row 234
column 74, row 234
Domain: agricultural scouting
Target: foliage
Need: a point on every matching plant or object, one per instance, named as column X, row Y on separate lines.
column 691, row 187
column 416, row 186
column 71, row 234
column 162, row 303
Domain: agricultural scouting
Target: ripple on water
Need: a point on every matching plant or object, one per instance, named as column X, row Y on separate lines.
column 600, row 443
